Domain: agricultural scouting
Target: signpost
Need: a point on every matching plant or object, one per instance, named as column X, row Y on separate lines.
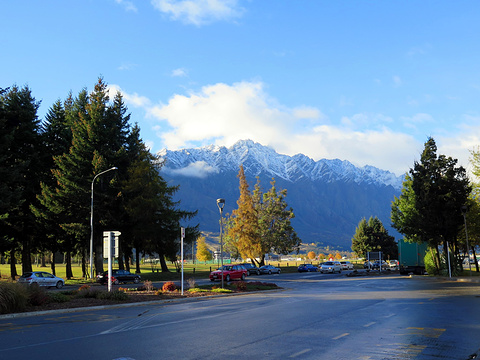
column 110, row 247
column 182, row 230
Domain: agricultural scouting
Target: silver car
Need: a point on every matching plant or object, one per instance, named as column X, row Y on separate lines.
column 42, row 278
column 331, row 267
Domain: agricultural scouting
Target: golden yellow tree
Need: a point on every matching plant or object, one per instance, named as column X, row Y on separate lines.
column 203, row 254
column 243, row 231
column 311, row 255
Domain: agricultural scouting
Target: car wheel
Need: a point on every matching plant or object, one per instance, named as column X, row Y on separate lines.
column 227, row 278
column 116, row 282
column 269, row 272
column 136, row 280
column 59, row 285
column 258, row 272
column 279, row 271
column 212, row 279
column 243, row 277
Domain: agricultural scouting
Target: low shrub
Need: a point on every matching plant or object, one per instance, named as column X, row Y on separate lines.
column 84, row 287
column 191, row 283
column 241, row 286
column 169, row 286
column 112, row 295
column 148, row 285
column 58, row 297
column 196, row 290
column 37, row 295
column 87, row 292
column 220, row 290
column 13, row 297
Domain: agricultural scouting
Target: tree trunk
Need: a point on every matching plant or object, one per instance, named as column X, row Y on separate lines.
column 137, row 262
column 13, row 268
column 121, row 263
column 68, row 265
column 52, row 263
column 26, row 255
column 85, row 275
column 163, row 263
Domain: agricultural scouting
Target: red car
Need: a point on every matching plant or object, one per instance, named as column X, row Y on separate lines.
column 230, row 272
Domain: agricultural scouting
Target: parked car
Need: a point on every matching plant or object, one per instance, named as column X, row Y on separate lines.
column 307, row 268
column 41, row 278
column 346, row 265
column 376, row 265
column 331, row 267
column 251, row 269
column 269, row 269
column 367, row 265
column 230, row 272
column 119, row 276
column 394, row 264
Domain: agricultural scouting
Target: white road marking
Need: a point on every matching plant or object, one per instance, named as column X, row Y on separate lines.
column 300, row 353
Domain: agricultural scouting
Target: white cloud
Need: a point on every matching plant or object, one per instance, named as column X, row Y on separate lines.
column 180, row 72
column 222, row 114
column 131, row 99
column 128, row 5
column 199, row 12
column 306, row 112
column 199, row 169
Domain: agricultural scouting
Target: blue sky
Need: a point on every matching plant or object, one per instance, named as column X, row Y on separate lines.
column 364, row 81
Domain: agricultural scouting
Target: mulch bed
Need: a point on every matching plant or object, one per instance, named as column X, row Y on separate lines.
column 133, row 297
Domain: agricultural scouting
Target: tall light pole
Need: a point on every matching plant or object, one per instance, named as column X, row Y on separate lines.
column 91, row 219
column 221, row 204
column 464, row 212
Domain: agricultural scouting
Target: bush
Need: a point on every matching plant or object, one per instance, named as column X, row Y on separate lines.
column 87, row 292
column 191, row 283
column 58, row 297
column 147, row 284
column 242, row 286
column 36, row 295
column 13, row 297
column 169, row 286
column 112, row 295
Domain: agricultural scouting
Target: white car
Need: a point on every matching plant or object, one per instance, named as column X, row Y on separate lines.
column 331, row 267
column 346, row 265
column 42, row 278
column 394, row 264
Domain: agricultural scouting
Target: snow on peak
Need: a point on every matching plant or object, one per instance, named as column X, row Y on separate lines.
column 257, row 159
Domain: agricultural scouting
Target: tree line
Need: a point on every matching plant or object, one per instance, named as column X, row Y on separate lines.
column 47, row 170
column 438, row 205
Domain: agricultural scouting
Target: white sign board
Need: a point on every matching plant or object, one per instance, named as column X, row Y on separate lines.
column 113, row 245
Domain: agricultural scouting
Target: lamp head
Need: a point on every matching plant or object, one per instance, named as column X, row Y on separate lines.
column 220, row 203
column 464, row 209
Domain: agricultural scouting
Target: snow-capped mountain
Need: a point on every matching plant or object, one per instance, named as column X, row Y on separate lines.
column 258, row 159
column 329, row 197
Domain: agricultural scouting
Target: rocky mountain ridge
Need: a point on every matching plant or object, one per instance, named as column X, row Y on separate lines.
column 329, row 197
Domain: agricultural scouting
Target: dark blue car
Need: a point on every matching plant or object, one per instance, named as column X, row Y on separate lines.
column 307, row 268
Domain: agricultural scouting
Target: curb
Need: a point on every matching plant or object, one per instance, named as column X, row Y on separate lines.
column 102, row 307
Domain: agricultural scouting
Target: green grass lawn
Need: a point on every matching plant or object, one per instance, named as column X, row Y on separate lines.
column 196, row 271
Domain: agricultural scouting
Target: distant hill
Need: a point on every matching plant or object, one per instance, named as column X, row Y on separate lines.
column 329, row 197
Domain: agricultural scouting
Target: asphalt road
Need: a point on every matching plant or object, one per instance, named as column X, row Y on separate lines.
column 316, row 316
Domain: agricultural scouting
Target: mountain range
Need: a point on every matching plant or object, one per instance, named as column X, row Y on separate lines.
column 328, row 197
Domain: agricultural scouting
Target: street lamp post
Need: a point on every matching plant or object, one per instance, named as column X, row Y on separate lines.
column 464, row 212
column 221, row 204
column 91, row 219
